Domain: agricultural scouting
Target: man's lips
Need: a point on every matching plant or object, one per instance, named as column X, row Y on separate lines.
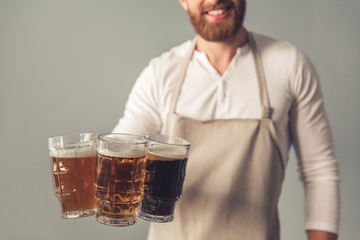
column 217, row 13
column 216, row 10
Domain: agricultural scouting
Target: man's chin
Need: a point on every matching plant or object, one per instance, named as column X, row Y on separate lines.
column 216, row 31
column 218, row 34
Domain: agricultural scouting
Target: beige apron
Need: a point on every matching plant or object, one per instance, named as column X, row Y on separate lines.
column 233, row 177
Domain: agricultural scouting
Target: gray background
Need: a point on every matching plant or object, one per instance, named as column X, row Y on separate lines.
column 68, row 66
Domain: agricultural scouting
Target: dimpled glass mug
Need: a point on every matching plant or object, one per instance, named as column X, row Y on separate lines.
column 165, row 174
column 73, row 161
column 120, row 173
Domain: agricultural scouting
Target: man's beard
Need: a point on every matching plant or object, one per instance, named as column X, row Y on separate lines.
column 226, row 28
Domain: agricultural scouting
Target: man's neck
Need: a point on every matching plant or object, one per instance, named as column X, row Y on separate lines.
column 221, row 53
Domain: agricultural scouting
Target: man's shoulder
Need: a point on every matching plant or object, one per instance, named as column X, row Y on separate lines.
column 172, row 56
column 269, row 44
column 280, row 51
column 164, row 69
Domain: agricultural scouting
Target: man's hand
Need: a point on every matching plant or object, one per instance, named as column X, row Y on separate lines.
column 320, row 235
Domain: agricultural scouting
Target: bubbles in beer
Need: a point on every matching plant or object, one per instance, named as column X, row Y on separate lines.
column 119, row 185
column 73, row 179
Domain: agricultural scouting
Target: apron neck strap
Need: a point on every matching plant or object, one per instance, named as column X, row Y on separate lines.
column 263, row 93
column 181, row 75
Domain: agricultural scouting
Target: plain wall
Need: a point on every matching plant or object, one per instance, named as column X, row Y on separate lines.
column 68, row 66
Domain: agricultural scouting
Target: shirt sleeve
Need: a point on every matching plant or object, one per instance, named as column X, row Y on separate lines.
column 141, row 115
column 313, row 144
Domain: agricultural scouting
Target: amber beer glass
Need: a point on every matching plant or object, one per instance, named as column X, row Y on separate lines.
column 120, row 177
column 73, row 161
column 165, row 173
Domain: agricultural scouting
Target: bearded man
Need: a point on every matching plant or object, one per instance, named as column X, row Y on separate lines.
column 242, row 100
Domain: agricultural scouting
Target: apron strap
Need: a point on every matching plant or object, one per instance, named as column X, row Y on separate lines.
column 263, row 93
column 181, row 76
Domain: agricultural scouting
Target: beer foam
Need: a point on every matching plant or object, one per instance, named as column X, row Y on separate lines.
column 74, row 152
column 127, row 153
column 166, row 153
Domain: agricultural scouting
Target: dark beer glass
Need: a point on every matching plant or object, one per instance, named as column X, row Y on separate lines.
column 73, row 161
column 165, row 173
column 120, row 173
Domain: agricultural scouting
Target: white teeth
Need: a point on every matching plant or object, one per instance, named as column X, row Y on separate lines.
column 216, row 12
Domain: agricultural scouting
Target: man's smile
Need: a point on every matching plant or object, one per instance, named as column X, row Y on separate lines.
column 217, row 13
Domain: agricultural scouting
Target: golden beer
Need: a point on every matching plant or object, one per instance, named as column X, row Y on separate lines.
column 119, row 185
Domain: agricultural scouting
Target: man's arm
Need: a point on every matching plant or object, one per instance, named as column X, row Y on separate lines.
column 312, row 141
column 320, row 235
column 141, row 114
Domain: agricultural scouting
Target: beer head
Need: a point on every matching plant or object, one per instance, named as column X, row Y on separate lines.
column 73, row 146
column 75, row 152
column 166, row 153
column 121, row 145
column 167, row 148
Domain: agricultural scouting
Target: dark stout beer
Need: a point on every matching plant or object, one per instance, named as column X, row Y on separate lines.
column 119, row 185
column 163, row 184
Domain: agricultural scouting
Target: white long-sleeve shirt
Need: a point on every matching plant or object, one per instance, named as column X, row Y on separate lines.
column 296, row 103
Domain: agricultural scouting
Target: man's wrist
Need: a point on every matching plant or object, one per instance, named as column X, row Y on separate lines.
column 320, row 235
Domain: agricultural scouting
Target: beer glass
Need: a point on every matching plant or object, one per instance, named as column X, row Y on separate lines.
column 165, row 173
column 120, row 178
column 73, row 161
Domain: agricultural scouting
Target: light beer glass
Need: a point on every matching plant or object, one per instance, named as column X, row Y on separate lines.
column 73, row 161
column 120, row 178
column 165, row 173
